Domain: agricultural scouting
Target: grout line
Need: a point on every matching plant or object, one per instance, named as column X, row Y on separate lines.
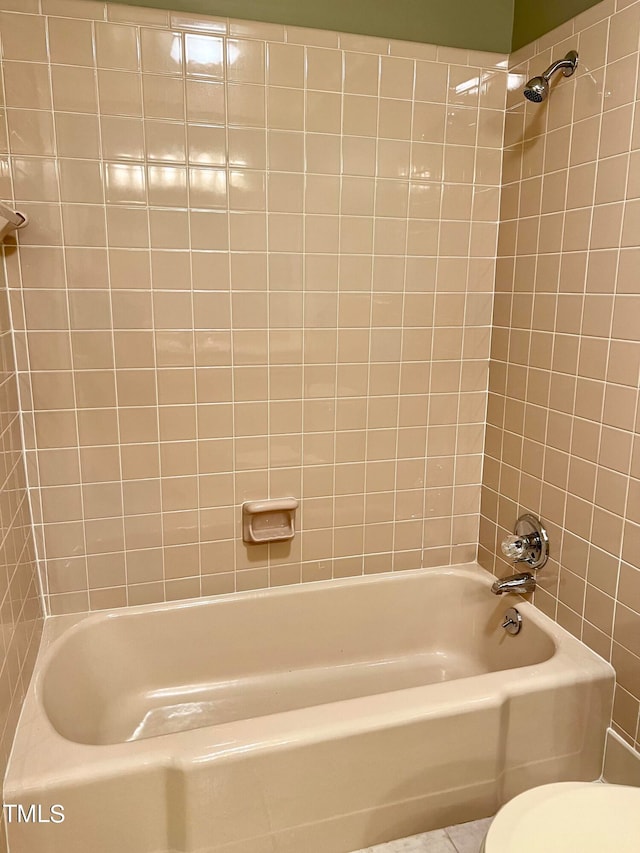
column 156, row 384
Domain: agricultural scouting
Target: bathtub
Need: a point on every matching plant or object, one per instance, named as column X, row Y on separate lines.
column 319, row 718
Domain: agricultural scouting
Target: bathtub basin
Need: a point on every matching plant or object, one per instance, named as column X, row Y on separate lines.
column 320, row 718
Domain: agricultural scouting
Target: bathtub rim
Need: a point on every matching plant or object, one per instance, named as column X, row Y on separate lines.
column 57, row 627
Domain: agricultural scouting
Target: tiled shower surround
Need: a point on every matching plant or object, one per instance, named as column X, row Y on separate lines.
column 563, row 419
column 260, row 262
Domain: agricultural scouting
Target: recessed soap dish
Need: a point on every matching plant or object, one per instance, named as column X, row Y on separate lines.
column 269, row 520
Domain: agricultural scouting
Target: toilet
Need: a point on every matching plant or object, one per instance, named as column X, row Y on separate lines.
column 568, row 817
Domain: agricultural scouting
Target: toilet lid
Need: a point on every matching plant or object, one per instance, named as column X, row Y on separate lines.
column 568, row 817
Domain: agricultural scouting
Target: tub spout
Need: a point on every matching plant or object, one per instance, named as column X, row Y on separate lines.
column 522, row 584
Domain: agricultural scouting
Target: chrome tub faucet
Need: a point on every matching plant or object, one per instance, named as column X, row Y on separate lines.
column 521, row 584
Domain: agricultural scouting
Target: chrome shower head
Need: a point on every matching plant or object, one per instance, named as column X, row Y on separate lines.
column 537, row 89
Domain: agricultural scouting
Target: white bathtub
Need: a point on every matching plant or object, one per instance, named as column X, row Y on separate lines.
column 319, row 718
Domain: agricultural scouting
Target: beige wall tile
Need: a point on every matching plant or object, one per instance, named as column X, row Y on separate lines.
column 23, row 37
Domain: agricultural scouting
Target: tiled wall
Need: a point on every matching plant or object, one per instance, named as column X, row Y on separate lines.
column 260, row 262
column 563, row 420
column 20, row 610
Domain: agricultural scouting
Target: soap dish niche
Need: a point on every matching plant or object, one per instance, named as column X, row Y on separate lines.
column 269, row 520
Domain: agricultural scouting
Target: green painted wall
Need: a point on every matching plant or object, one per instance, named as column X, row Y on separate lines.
column 499, row 25
column 534, row 18
column 479, row 24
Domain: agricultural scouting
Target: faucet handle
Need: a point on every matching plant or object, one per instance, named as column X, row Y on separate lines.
column 515, row 547
column 528, row 544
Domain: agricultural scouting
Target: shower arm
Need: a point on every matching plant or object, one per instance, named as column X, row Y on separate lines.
column 568, row 64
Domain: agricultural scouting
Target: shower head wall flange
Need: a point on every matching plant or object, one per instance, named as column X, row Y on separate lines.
column 537, row 89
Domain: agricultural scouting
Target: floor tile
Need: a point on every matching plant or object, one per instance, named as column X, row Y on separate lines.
column 427, row 842
column 463, row 838
column 467, row 837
